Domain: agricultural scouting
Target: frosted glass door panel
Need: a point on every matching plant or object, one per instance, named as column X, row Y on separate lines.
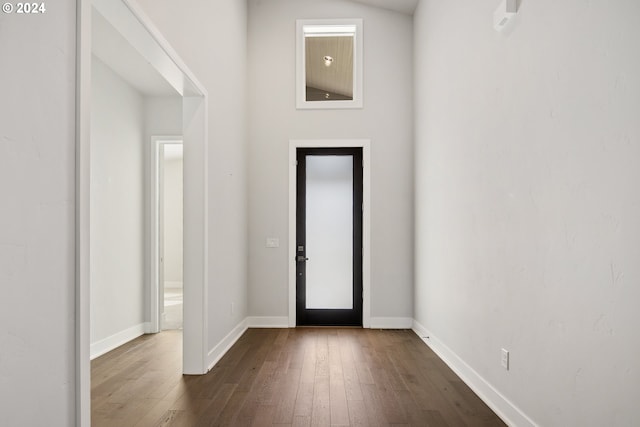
column 329, row 232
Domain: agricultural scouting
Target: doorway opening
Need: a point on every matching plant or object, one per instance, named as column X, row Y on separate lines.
column 168, row 233
column 136, row 51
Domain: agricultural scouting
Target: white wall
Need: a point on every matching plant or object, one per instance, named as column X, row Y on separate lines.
column 386, row 118
column 37, row 155
column 173, row 232
column 162, row 116
column 211, row 39
column 527, row 208
column 117, row 205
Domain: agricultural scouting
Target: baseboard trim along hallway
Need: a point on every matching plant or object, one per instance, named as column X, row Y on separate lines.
column 217, row 352
column 391, row 323
column 506, row 410
column 114, row 341
column 268, row 322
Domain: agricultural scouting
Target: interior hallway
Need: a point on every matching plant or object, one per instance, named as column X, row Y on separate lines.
column 173, row 308
column 286, row 377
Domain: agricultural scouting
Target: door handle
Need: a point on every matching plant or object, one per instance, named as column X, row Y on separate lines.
column 301, row 258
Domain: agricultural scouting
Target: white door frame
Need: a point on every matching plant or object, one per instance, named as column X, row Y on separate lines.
column 155, row 196
column 128, row 19
column 365, row 144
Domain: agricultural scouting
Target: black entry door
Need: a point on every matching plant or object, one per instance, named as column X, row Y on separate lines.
column 329, row 237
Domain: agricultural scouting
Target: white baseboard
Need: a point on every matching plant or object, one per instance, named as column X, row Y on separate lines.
column 105, row 345
column 216, row 353
column 506, row 410
column 375, row 322
column 268, row 322
column 391, row 323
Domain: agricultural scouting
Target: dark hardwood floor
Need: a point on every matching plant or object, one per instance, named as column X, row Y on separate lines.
column 286, row 377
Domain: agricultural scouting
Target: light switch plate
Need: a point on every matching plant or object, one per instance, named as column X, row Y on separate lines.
column 273, row 242
column 504, row 358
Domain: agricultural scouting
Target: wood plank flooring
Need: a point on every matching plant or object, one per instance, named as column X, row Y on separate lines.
column 286, row 377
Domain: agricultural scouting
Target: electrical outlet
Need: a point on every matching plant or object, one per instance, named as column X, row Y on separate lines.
column 273, row 242
column 504, row 359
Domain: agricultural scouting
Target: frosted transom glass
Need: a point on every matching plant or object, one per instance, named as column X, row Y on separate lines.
column 329, row 232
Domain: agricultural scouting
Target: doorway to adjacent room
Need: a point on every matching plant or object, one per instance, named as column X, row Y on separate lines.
column 168, row 215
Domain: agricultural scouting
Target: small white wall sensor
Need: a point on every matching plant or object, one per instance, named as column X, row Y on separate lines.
column 504, row 13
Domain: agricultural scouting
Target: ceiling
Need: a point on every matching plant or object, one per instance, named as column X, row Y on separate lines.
column 336, row 78
column 116, row 52
column 403, row 6
column 110, row 47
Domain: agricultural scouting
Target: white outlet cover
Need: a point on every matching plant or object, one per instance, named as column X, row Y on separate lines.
column 273, row 242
